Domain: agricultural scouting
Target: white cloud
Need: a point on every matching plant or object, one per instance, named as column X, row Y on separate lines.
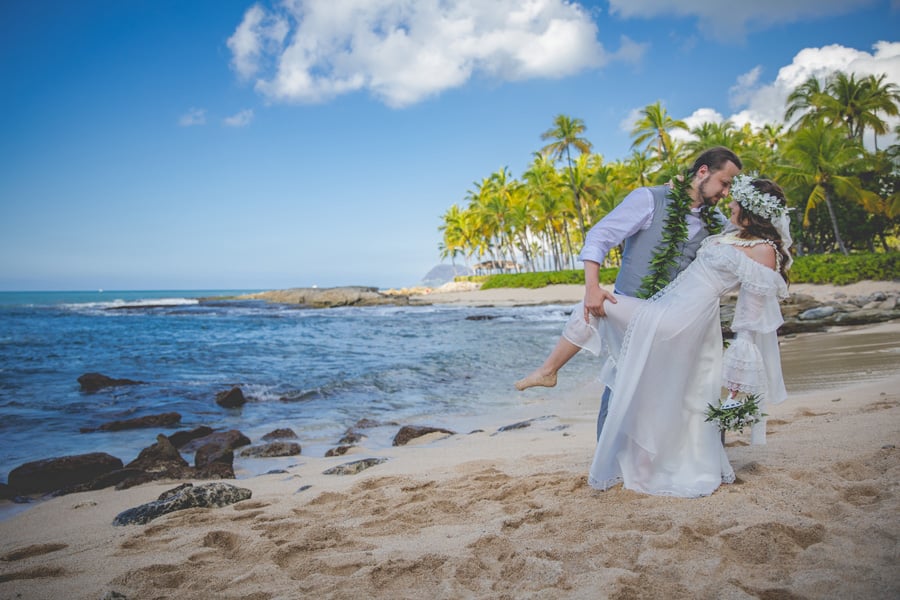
column 633, row 116
column 257, row 33
column 241, row 119
column 698, row 118
column 765, row 103
column 630, row 51
column 729, row 20
column 403, row 51
column 742, row 92
column 194, row 116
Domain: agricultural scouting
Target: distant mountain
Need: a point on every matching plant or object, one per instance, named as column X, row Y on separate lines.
column 441, row 274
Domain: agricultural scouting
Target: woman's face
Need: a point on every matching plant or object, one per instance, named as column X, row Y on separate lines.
column 735, row 212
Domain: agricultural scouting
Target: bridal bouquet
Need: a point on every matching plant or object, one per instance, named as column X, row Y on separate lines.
column 734, row 414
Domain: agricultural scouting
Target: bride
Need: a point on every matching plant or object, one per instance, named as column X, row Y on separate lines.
column 664, row 360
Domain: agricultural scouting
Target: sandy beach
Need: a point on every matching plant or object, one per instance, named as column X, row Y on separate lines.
column 509, row 514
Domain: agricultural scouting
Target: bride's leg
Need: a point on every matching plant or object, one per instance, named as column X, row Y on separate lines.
column 545, row 375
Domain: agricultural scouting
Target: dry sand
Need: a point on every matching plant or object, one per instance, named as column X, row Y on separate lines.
column 814, row 514
column 572, row 294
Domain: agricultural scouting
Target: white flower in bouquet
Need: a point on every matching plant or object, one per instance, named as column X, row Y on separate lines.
column 733, row 414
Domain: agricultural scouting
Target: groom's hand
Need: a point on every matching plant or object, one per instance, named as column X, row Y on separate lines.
column 594, row 297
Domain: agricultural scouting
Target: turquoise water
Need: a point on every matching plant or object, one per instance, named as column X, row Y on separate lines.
column 315, row 371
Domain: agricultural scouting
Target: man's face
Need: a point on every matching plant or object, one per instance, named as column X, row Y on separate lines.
column 715, row 185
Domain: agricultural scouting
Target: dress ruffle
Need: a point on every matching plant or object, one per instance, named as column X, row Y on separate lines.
column 742, row 367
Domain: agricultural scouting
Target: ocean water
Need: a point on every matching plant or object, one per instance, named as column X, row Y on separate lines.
column 317, row 371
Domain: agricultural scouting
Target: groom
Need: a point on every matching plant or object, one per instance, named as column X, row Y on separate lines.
column 640, row 222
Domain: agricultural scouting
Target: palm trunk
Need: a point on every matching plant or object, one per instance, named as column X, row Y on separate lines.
column 834, row 224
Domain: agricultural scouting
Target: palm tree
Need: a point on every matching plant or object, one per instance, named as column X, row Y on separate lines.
column 760, row 149
column 881, row 98
column 819, row 158
column 715, row 134
column 653, row 127
column 806, row 100
column 847, row 101
column 566, row 134
column 551, row 212
column 637, row 169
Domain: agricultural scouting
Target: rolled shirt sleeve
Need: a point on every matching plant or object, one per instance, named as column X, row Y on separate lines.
column 633, row 214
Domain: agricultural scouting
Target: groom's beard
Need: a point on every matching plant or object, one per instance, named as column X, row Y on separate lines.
column 707, row 200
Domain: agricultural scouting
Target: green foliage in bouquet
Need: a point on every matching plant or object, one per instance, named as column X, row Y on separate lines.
column 735, row 418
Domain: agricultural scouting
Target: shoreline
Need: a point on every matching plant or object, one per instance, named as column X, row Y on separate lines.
column 572, row 294
column 509, row 514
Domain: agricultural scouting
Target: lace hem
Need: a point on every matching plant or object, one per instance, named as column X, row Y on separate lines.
column 605, row 484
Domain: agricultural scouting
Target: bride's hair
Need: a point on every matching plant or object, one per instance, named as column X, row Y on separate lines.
column 759, row 227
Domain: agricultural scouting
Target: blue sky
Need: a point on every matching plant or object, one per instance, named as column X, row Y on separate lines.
column 223, row 144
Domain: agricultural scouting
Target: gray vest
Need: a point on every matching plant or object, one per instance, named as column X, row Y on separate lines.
column 640, row 247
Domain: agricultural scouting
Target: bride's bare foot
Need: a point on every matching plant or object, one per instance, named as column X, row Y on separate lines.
column 537, row 378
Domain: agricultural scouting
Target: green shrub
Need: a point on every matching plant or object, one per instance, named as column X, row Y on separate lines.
column 545, row 278
column 838, row 269
column 835, row 269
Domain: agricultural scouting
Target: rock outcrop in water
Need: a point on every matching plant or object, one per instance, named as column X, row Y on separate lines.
column 169, row 419
column 92, row 382
column 328, row 297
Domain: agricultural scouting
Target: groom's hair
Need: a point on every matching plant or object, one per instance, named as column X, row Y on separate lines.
column 716, row 158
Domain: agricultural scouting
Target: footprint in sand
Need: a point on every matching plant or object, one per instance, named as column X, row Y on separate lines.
column 33, row 573
column 33, row 550
column 880, row 405
column 805, row 412
column 227, row 542
column 771, row 543
column 861, row 495
column 251, row 505
column 148, row 580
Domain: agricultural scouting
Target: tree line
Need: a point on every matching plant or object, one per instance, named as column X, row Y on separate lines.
column 845, row 196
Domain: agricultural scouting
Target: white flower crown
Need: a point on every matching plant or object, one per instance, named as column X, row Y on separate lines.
column 750, row 198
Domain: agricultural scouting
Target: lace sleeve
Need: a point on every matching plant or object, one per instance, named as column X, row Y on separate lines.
column 757, row 307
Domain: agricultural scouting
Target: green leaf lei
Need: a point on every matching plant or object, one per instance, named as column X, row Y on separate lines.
column 665, row 259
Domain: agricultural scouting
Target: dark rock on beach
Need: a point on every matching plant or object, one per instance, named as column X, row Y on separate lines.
column 280, row 434
column 352, row 468
column 162, row 460
column 351, row 437
column 91, row 382
column 6, row 492
column 804, row 314
column 338, row 451
column 52, row 474
column 159, row 461
column 410, row 432
column 223, row 439
column 180, row 438
column 272, row 450
column 233, row 398
column 207, row 495
column 169, row 419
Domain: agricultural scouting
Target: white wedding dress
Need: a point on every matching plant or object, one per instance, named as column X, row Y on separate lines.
column 664, row 363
